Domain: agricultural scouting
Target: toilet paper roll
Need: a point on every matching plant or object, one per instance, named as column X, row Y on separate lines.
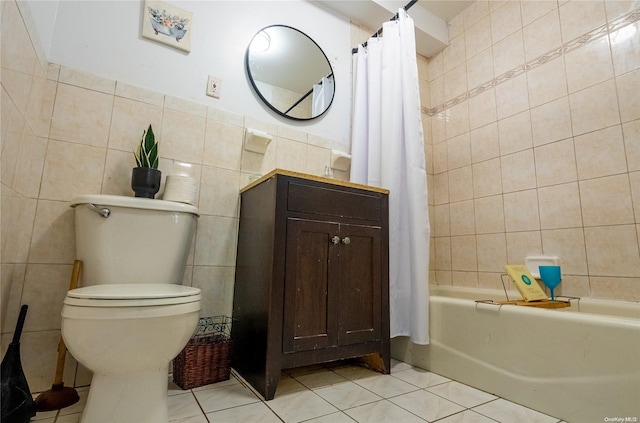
column 181, row 189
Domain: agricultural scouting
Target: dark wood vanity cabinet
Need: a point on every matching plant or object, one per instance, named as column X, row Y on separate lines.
column 311, row 281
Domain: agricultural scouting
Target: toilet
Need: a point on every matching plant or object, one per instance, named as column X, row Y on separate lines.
column 131, row 316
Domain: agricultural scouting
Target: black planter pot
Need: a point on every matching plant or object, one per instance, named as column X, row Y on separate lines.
column 145, row 181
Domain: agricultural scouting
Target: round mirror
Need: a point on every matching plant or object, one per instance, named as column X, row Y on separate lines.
column 290, row 72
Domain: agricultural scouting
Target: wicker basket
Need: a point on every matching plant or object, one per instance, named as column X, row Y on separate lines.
column 207, row 357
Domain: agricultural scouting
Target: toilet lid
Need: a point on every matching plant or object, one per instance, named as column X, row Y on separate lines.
column 132, row 295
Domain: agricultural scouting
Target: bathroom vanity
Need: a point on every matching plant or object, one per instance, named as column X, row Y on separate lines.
column 312, row 276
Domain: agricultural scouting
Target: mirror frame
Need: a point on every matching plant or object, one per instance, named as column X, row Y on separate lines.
column 257, row 90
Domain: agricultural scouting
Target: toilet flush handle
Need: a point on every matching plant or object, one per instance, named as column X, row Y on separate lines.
column 102, row 211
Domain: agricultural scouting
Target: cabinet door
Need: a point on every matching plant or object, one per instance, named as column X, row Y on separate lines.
column 360, row 309
column 310, row 297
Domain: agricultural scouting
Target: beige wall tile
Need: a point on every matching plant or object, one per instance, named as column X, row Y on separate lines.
column 478, row 37
column 532, row 10
column 512, row 96
column 578, row 17
column 53, row 240
column 129, row 121
column 216, row 239
column 462, row 218
column 443, row 253
column 291, row 155
column 223, row 145
column 543, row 34
column 82, row 79
column 624, row 289
column 219, row 192
column 628, row 89
column 19, row 54
column 454, row 54
column 514, row 133
column 463, row 253
column 71, row 170
column 441, row 188
column 631, row 134
column 183, row 135
column 439, row 128
column 508, row 53
column 612, row 251
column 17, row 226
column 216, row 284
column 492, row 252
column 487, row 178
column 518, row 171
column 485, row 144
column 12, row 279
column 459, row 151
column 523, row 244
column 318, row 158
column 143, row 95
column 547, row 82
column 81, row 115
column 460, row 184
column 575, row 286
column 560, row 206
column 441, row 221
column 589, row 65
column 600, row 153
column 551, row 121
column 521, row 211
column 117, row 173
column 625, row 48
column 480, row 68
column 568, row 244
column 594, row 108
column 505, row 20
column 440, row 158
column 477, row 11
column 457, row 122
column 634, row 179
column 555, row 163
column 482, row 109
column 465, row 279
column 436, row 91
column 489, row 214
column 606, row 201
column 45, row 288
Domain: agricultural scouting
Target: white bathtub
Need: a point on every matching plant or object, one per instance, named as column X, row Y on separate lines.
column 580, row 364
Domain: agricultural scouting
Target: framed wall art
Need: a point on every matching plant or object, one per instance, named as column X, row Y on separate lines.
column 167, row 24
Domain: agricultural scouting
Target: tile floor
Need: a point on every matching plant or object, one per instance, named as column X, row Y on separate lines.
column 337, row 393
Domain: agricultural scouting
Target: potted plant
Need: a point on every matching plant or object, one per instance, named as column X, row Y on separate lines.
column 145, row 178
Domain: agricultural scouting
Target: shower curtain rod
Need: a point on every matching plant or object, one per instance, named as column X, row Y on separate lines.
column 379, row 32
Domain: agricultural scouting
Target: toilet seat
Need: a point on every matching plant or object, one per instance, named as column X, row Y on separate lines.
column 132, row 295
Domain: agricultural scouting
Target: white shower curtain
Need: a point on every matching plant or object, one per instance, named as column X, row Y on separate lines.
column 387, row 150
column 322, row 96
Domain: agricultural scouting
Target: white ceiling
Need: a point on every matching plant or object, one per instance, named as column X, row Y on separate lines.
column 430, row 17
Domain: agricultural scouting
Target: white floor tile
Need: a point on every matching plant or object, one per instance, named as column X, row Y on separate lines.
column 214, row 399
column 420, row 378
column 426, row 405
column 382, row 412
column 318, row 378
column 332, row 418
column 508, row 412
column 183, row 406
column 461, row 394
column 467, row 416
column 251, row 413
column 347, row 395
column 300, row 406
column 398, row 366
column 385, row 385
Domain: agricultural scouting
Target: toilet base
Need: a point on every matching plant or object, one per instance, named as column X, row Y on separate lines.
column 128, row 398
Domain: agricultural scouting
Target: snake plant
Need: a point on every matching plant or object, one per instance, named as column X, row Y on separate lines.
column 147, row 154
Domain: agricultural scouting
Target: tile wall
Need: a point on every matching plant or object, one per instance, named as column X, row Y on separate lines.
column 535, row 137
column 66, row 133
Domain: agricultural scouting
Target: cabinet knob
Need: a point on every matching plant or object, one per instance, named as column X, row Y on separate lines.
column 335, row 239
column 346, row 240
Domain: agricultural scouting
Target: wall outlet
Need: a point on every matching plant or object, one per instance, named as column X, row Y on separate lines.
column 213, row 86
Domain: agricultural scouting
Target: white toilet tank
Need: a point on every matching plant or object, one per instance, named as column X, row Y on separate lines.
column 132, row 240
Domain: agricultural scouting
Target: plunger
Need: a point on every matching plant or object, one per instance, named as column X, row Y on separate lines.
column 60, row 396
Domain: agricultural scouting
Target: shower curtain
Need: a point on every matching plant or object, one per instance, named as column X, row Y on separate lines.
column 322, row 96
column 387, row 150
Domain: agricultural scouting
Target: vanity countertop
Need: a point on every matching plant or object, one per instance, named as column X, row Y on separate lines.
column 313, row 178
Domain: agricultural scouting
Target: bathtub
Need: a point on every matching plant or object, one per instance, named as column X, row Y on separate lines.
column 580, row 364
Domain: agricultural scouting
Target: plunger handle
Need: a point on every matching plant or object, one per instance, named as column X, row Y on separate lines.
column 20, row 324
column 62, row 349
